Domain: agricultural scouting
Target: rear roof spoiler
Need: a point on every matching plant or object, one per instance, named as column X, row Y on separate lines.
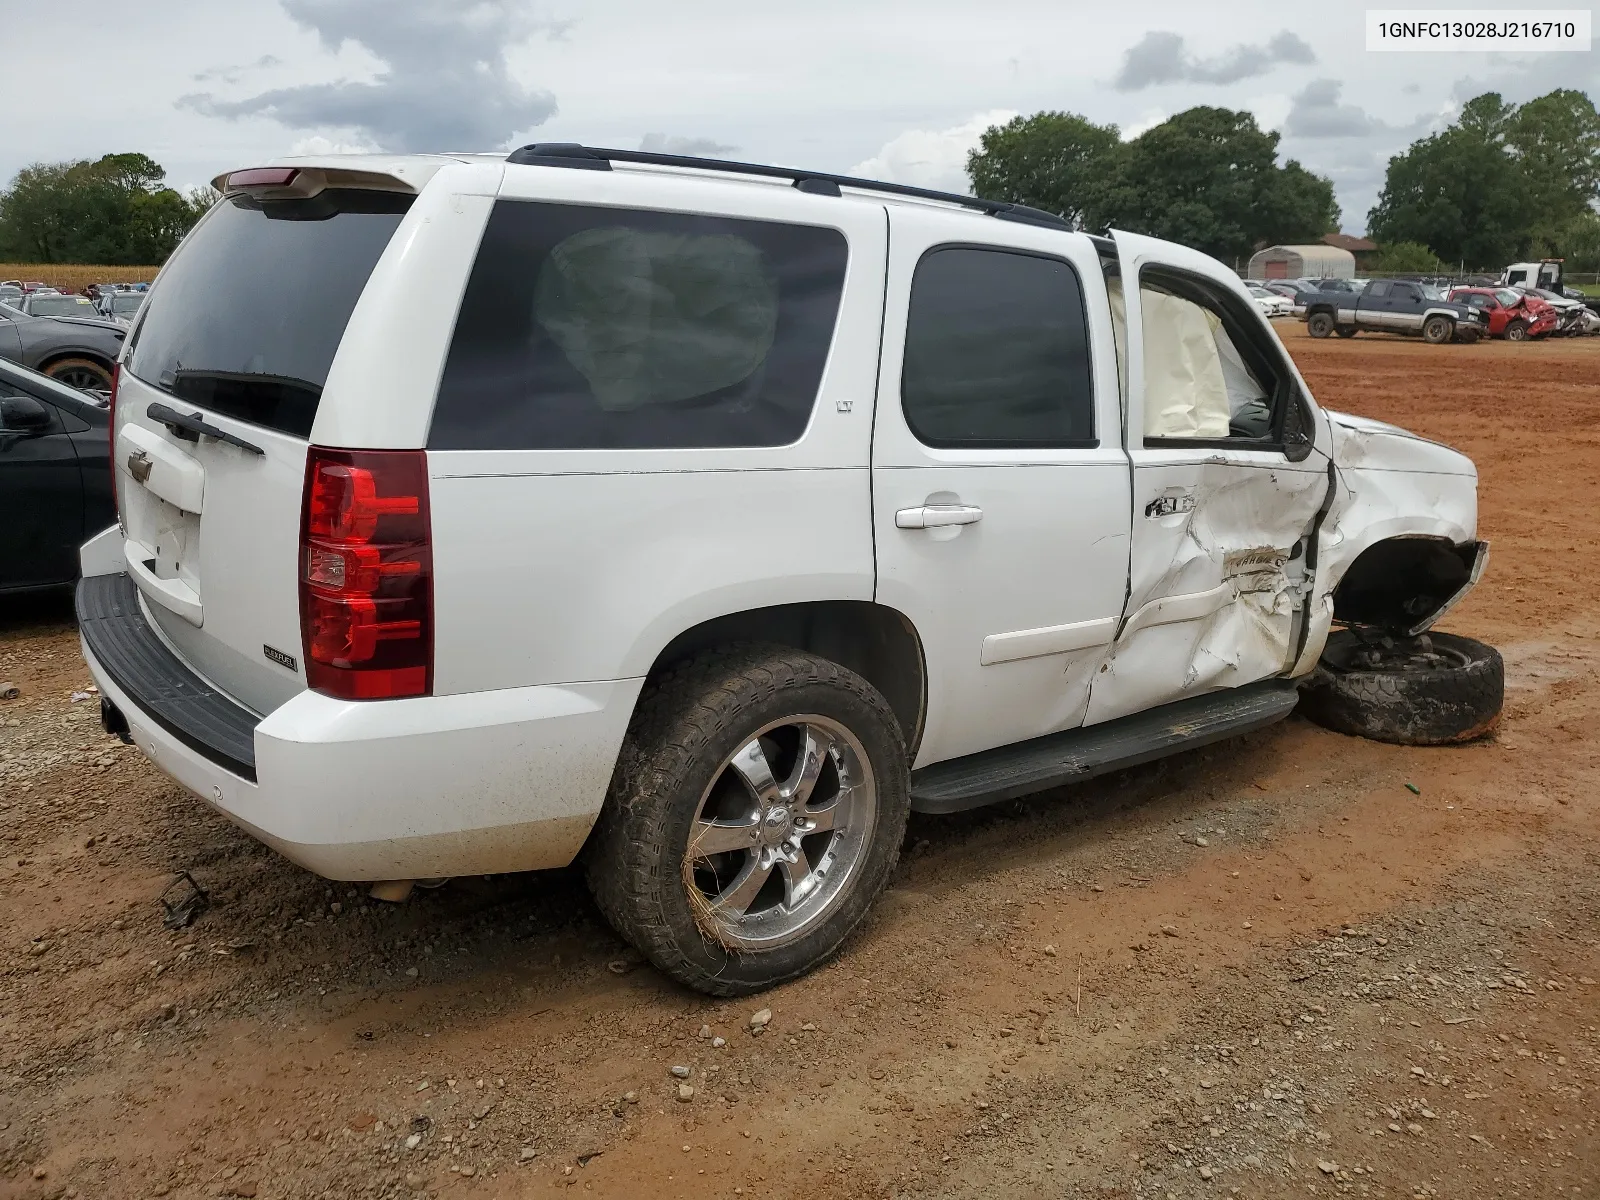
column 301, row 183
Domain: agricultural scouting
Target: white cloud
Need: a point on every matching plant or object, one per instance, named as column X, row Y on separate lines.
column 1143, row 125
column 931, row 158
column 1319, row 113
column 1270, row 111
column 444, row 84
column 694, row 147
column 317, row 144
column 1163, row 57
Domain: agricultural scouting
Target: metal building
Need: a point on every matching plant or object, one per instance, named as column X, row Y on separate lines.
column 1302, row 262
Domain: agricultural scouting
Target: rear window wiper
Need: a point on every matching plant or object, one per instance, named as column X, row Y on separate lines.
column 190, row 428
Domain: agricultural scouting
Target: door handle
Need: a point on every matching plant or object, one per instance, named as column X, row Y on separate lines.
column 936, row 516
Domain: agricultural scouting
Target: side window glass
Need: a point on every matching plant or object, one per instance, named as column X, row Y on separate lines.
column 997, row 352
column 1206, row 376
column 1379, row 289
column 585, row 328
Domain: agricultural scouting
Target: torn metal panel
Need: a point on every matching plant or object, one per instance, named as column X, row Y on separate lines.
column 1216, row 562
column 1360, row 443
column 1215, row 580
column 1390, row 484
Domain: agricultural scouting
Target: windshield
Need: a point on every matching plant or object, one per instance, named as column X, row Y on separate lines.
column 1507, row 297
column 127, row 302
column 61, row 306
column 1429, row 292
column 251, row 310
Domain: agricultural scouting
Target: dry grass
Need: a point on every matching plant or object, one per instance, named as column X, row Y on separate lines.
column 74, row 277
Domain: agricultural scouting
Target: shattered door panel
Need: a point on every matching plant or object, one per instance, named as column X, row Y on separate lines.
column 1214, row 575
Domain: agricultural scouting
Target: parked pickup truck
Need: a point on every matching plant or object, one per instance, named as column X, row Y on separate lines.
column 1393, row 306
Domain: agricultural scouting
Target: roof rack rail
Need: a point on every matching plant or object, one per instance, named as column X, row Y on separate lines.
column 592, row 158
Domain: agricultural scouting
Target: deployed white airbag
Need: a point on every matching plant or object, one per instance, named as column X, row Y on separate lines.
column 1185, row 388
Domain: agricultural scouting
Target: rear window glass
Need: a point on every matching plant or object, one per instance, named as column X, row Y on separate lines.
column 249, row 313
column 997, row 352
column 588, row 328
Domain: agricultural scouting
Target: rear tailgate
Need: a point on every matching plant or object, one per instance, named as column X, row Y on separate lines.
column 218, row 393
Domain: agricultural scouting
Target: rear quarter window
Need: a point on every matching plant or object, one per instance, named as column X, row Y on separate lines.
column 251, row 310
column 605, row 328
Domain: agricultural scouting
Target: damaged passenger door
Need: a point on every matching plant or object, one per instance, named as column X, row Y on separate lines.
column 1227, row 484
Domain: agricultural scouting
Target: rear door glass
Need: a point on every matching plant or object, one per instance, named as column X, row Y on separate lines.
column 997, row 352
column 248, row 315
column 588, row 328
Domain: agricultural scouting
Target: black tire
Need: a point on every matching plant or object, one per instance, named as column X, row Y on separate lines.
column 1319, row 324
column 688, row 722
column 1437, row 330
column 1432, row 690
column 1517, row 331
column 1347, row 331
column 82, row 373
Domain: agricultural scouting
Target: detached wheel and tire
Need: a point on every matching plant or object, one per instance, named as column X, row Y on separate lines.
column 82, row 373
column 1437, row 330
column 1432, row 690
column 756, row 812
column 1319, row 324
column 1517, row 331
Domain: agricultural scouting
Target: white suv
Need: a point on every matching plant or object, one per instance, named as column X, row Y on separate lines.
column 704, row 519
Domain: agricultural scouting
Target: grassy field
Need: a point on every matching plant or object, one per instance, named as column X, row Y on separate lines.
column 74, row 277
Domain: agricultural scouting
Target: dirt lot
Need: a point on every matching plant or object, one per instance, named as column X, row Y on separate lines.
column 1265, row 969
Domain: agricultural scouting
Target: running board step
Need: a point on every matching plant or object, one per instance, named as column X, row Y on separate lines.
column 1076, row 754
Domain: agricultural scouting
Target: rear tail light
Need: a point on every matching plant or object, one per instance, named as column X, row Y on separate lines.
column 366, row 574
column 262, row 177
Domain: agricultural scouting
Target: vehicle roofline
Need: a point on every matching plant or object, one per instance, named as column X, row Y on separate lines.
column 398, row 166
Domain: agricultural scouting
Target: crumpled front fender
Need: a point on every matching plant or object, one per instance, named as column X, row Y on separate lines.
column 1390, row 485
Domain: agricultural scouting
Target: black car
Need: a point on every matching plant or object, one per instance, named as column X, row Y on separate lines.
column 55, row 477
column 79, row 353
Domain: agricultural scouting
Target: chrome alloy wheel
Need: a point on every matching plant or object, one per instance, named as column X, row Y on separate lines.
column 780, row 831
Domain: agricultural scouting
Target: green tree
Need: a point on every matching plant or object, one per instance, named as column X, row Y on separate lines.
column 1555, row 141
column 1458, row 193
column 1305, row 206
column 1503, row 181
column 1407, row 258
column 1576, row 239
column 1051, row 160
column 1209, row 178
column 115, row 210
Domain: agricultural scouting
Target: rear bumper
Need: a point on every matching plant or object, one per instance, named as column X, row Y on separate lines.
column 478, row 783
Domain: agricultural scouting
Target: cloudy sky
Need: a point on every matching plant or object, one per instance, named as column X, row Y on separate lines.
column 895, row 89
